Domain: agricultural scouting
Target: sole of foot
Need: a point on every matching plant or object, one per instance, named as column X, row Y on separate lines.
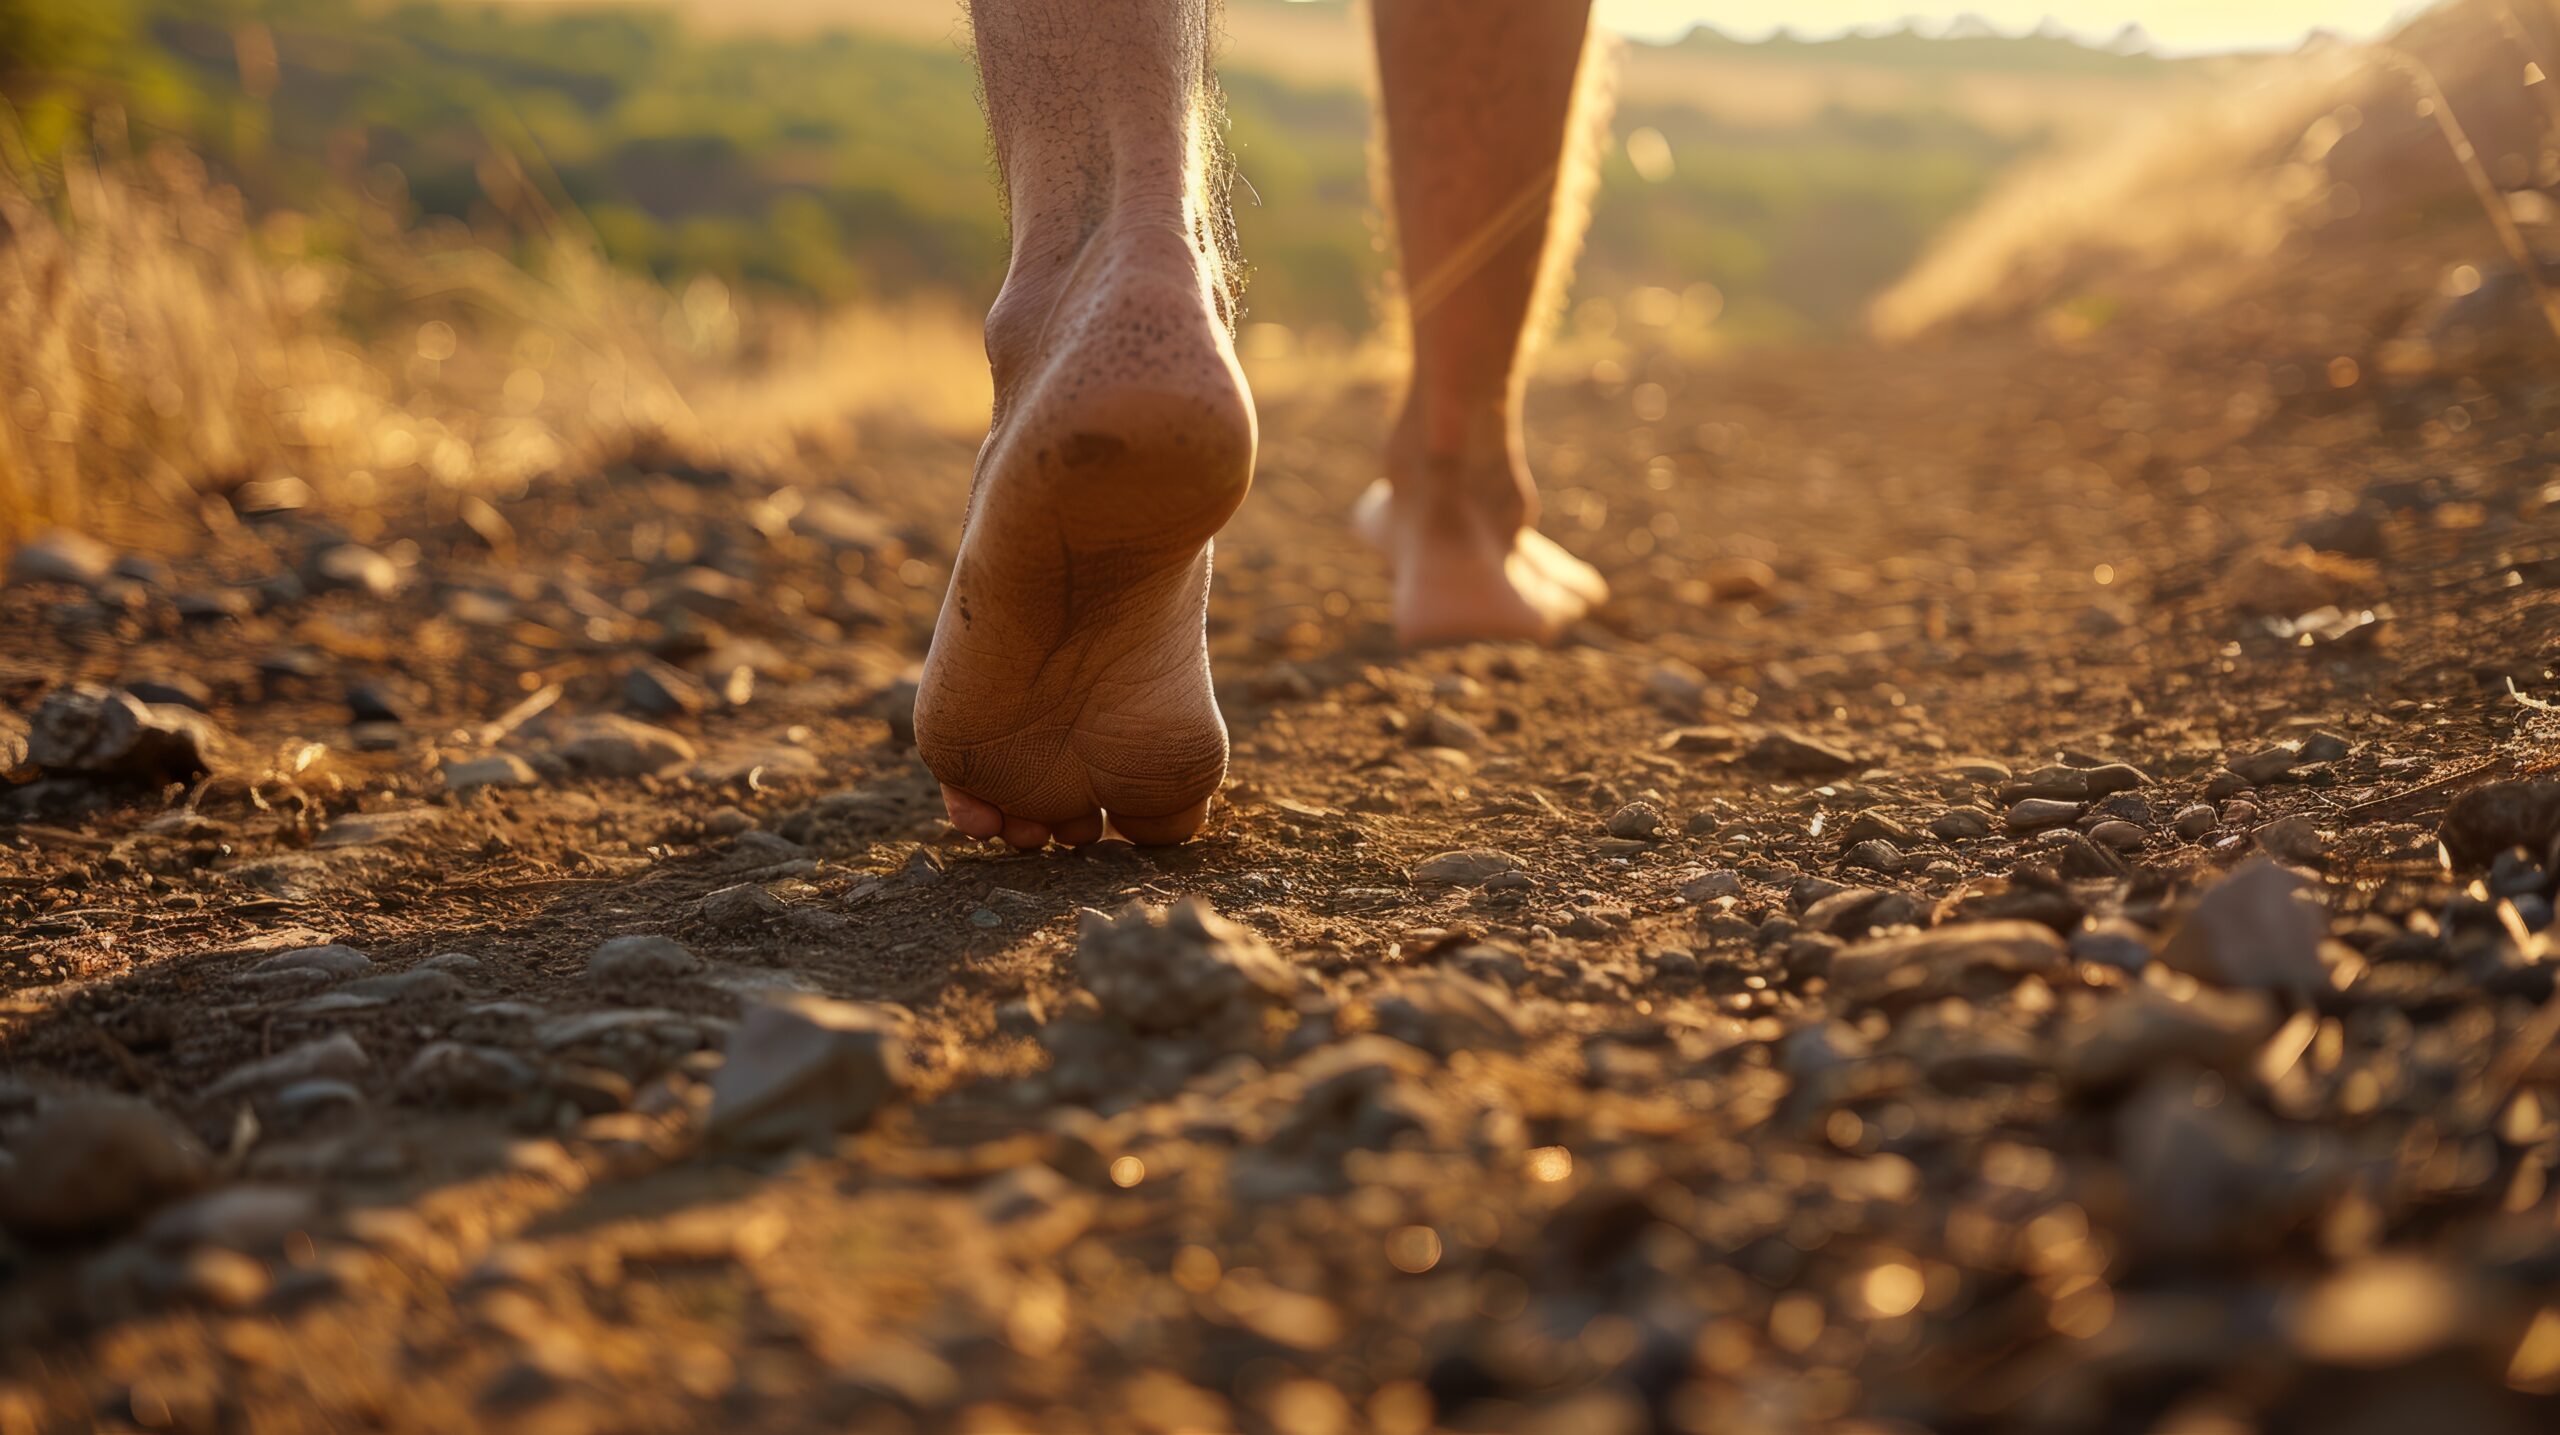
column 1067, row 691
column 1460, row 576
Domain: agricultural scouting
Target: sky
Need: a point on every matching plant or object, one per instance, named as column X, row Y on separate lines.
column 2176, row 25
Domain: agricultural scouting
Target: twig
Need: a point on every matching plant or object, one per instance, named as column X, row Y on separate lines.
column 2493, row 201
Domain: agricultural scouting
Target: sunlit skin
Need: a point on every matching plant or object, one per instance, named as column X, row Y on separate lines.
column 1067, row 690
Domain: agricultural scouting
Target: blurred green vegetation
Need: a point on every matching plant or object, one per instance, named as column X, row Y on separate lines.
column 853, row 167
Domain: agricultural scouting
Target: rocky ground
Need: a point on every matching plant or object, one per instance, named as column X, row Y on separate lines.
column 2032, row 911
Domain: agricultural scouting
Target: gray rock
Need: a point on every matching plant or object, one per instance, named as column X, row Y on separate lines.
column 1470, row 868
column 1443, row 728
column 59, row 555
column 92, row 1165
column 2252, row 930
column 611, row 745
column 462, row 1074
column 302, row 1100
column 332, row 960
column 2112, row 942
column 743, row 904
column 339, row 1055
column 2324, row 746
column 356, row 567
column 1637, row 821
column 2121, row 835
column 2194, row 820
column 1797, row 755
column 2125, row 1038
column 2266, row 764
column 1170, row 968
column 1961, row 824
column 1444, row 1012
column 498, row 769
column 803, row 1068
column 2290, row 839
column 2035, row 814
column 1936, row 962
column 1875, row 855
column 660, row 690
column 640, row 957
column 1712, row 886
column 97, row 733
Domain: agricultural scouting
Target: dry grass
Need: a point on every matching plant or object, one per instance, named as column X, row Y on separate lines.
column 160, row 351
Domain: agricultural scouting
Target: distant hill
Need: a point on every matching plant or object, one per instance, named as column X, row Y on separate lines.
column 831, row 149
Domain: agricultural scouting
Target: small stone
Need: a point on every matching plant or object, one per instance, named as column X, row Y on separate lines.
column 59, row 555
column 1471, row 868
column 225, row 1280
column 1797, row 755
column 2194, row 820
column 1875, row 827
column 1708, row 738
column 2055, row 783
column 743, row 905
column 1702, row 824
column 354, row 566
column 1976, row 769
column 2324, row 746
column 1167, row 969
column 1679, row 686
column 663, row 690
column 1711, row 886
column 1445, row 1012
column 1961, row 824
column 333, row 960
column 802, row 1068
column 1738, row 580
column 177, row 688
column 2290, row 839
column 641, row 957
column 92, row 1165
column 1443, row 728
column 2489, row 820
column 611, row 745
column 462, row 1074
column 1637, row 821
column 93, row 732
column 2035, row 814
column 338, row 1055
column 1875, row 855
column 2121, row 835
column 498, row 769
column 302, row 1100
column 376, row 703
column 1933, row 963
column 2266, row 764
column 2112, row 942
column 2252, row 930
column 2239, row 812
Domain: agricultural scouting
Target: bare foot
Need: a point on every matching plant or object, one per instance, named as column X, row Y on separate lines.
column 1465, row 570
column 1068, row 681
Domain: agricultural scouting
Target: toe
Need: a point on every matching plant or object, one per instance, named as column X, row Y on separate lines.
column 1162, row 831
column 1080, row 831
column 1026, row 834
column 971, row 815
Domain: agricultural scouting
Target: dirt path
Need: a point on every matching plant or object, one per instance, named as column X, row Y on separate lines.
column 1815, row 992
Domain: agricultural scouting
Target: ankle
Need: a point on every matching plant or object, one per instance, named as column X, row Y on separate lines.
column 1464, row 471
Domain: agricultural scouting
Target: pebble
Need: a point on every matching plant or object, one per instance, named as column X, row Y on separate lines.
column 175, row 688
column 498, row 769
column 2290, row 839
column 338, row 1055
column 802, row 1068
column 2266, row 764
column 98, row 733
column 2252, row 930
column 1444, row 1012
column 1470, row 868
column 1875, row 827
column 332, row 960
column 1976, row 769
column 2489, row 820
column 2194, row 820
column 1443, row 728
column 1933, row 963
column 743, row 904
column 2324, row 746
column 640, row 957
column 1711, row 886
column 301, row 1100
column 459, row 1073
column 611, row 745
column 90, row 1165
column 1637, row 821
column 1797, row 755
column 2035, row 814
column 662, row 690
column 223, row 1279
column 354, row 566
column 2121, row 835
column 59, row 555
column 1961, row 824
column 2112, row 942
column 1165, row 969
column 1875, row 855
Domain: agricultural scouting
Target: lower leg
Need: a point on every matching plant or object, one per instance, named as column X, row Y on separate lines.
column 1068, row 681
column 1477, row 103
